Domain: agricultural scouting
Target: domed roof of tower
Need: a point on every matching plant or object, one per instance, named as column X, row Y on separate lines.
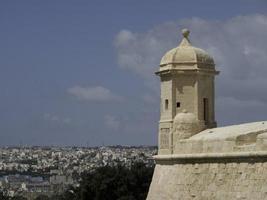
column 185, row 53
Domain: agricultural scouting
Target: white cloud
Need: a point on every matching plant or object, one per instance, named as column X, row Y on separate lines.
column 95, row 93
column 141, row 52
column 124, row 36
column 238, row 46
column 111, row 122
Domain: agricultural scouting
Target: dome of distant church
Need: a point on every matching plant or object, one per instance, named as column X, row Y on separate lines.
column 186, row 124
column 186, row 53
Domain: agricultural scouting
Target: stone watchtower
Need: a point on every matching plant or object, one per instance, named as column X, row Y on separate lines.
column 196, row 160
column 187, row 93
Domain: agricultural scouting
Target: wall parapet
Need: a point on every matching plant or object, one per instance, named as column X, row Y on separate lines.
column 255, row 156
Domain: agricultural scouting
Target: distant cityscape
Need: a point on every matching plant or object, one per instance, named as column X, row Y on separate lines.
column 31, row 171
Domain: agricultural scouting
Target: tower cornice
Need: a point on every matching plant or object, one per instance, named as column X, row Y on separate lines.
column 187, row 71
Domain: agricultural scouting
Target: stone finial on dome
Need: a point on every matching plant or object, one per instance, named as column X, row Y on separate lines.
column 185, row 41
column 185, row 32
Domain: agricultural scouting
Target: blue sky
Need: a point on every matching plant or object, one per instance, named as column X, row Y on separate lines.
column 81, row 72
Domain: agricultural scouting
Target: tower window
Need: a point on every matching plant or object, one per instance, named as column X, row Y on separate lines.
column 166, row 104
column 178, row 104
column 206, row 110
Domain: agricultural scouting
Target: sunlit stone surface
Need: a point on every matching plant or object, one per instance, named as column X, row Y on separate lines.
column 196, row 160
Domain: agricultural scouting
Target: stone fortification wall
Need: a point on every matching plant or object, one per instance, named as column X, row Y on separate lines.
column 222, row 177
column 226, row 163
column 196, row 160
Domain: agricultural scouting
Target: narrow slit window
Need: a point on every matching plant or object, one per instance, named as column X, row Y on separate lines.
column 206, row 110
column 166, row 104
column 178, row 104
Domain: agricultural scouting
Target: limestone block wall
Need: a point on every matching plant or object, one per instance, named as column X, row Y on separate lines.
column 219, row 179
column 237, row 138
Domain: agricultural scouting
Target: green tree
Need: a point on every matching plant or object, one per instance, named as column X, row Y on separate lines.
column 42, row 197
column 18, row 197
column 116, row 183
column 3, row 195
